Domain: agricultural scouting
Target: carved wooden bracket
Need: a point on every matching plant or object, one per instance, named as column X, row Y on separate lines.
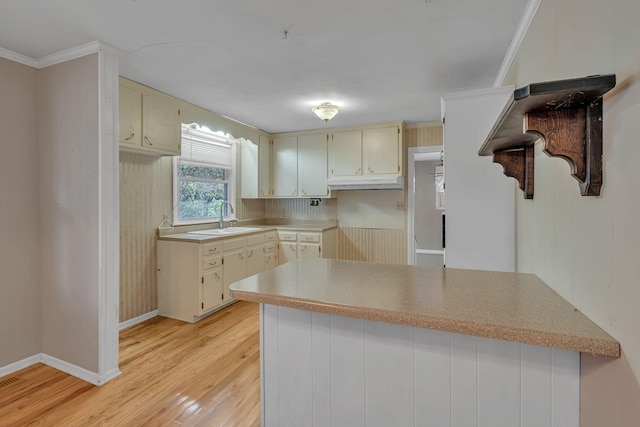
column 567, row 116
column 518, row 164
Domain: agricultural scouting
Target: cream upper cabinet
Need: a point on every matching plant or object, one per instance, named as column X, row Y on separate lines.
column 149, row 121
column 382, row 151
column 264, row 166
column 372, row 151
column 249, row 170
column 130, row 116
column 256, row 168
column 284, row 156
column 345, row 153
column 160, row 124
column 312, row 165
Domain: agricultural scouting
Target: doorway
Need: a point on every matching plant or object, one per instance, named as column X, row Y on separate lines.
column 426, row 208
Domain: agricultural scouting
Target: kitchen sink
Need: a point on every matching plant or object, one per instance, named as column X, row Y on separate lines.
column 226, row 231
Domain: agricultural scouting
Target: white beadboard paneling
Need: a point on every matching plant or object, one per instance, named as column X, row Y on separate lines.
column 565, row 383
column 347, row 372
column 321, row 354
column 270, row 367
column 536, row 381
column 432, row 364
column 464, row 381
column 326, row 370
column 389, row 375
column 498, row 401
column 295, row 366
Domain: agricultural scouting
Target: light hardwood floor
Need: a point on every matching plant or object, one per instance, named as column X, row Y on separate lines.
column 173, row 374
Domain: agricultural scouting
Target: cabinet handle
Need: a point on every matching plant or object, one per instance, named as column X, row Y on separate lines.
column 241, row 257
column 147, row 140
column 217, row 275
column 295, row 193
column 130, row 137
column 213, row 250
column 308, row 238
column 268, row 259
column 370, row 170
column 213, row 264
column 292, row 248
column 304, row 192
column 303, row 249
column 250, row 254
column 357, row 172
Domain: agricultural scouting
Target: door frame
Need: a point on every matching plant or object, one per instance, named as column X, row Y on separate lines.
column 416, row 154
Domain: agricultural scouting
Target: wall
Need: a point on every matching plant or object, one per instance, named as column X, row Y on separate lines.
column 19, row 211
column 480, row 224
column 587, row 248
column 69, row 206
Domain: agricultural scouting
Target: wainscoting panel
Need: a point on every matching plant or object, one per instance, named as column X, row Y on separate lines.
column 145, row 196
column 372, row 244
column 325, row 370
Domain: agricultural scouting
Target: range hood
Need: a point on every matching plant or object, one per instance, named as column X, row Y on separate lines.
column 370, row 182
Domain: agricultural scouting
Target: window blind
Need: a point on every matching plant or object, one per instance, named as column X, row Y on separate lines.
column 204, row 148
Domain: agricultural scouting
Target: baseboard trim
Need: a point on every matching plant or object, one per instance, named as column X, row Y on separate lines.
column 20, row 364
column 139, row 319
column 61, row 365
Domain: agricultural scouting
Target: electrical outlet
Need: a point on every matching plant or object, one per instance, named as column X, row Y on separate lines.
column 400, row 206
column 283, row 213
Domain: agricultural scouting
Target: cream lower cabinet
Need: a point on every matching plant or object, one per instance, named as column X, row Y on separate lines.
column 307, row 244
column 194, row 278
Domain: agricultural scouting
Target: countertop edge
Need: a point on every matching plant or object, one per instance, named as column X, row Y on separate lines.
column 594, row 346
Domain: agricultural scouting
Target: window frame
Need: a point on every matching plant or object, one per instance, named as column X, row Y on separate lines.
column 231, row 190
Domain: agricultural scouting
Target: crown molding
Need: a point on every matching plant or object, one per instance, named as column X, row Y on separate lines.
column 62, row 56
column 516, row 41
column 16, row 57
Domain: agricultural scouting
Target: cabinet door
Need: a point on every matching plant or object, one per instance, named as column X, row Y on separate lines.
column 160, row 124
column 308, row 250
column 130, row 105
column 345, row 153
column 264, row 166
column 270, row 260
column 212, row 293
column 382, row 151
column 312, row 165
column 284, row 152
column 234, row 268
column 287, row 252
column 249, row 170
column 255, row 260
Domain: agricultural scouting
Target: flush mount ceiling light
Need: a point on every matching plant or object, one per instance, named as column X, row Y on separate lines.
column 325, row 111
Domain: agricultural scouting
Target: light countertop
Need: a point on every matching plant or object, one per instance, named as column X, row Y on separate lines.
column 261, row 228
column 508, row 306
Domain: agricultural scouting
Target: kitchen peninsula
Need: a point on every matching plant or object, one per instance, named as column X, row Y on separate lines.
column 355, row 343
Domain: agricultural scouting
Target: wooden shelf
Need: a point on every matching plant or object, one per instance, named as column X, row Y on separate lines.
column 567, row 116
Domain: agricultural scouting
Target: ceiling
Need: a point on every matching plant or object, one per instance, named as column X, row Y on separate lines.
column 267, row 62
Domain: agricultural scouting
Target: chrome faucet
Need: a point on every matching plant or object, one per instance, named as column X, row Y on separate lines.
column 221, row 222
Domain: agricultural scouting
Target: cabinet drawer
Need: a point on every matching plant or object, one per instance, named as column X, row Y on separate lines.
column 255, row 239
column 269, row 247
column 232, row 244
column 211, row 262
column 309, row 237
column 288, row 236
column 211, row 248
column 270, row 236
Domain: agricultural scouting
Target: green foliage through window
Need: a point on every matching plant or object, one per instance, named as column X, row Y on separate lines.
column 202, row 190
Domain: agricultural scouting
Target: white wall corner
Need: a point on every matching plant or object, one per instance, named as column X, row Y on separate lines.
column 516, row 41
column 109, row 220
column 62, row 56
